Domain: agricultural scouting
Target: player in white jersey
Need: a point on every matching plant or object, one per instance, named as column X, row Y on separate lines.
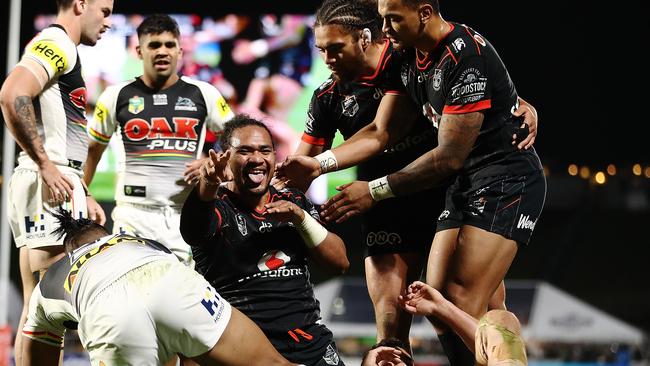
column 115, row 289
column 43, row 102
column 160, row 120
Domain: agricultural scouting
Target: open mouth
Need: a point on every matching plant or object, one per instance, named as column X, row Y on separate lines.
column 256, row 175
column 162, row 64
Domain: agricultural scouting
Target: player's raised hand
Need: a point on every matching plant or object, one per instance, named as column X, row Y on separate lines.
column 420, row 298
column 215, row 169
column 284, row 211
column 296, row 171
column 354, row 198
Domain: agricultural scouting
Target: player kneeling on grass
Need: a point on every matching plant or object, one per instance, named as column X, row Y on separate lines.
column 134, row 303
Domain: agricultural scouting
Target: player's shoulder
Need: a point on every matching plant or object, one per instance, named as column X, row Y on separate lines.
column 55, row 34
column 463, row 41
column 204, row 87
column 326, row 87
column 112, row 91
column 288, row 194
column 52, row 46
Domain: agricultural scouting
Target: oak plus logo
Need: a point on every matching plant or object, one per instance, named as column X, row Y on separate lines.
column 273, row 259
column 180, row 134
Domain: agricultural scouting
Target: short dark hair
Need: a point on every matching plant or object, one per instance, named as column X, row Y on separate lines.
column 63, row 4
column 240, row 121
column 77, row 232
column 352, row 15
column 414, row 3
column 158, row 23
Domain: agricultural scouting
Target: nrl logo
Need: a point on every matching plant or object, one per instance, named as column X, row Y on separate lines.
column 136, row 104
column 437, row 79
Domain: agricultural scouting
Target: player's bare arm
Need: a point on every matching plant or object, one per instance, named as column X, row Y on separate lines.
column 18, row 90
column 456, row 137
column 393, row 120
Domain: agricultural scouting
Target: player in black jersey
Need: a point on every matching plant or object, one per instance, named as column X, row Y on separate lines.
column 251, row 242
column 366, row 84
column 365, row 73
column 498, row 194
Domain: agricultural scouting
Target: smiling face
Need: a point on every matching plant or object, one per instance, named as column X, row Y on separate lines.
column 95, row 20
column 341, row 50
column 252, row 160
column 159, row 53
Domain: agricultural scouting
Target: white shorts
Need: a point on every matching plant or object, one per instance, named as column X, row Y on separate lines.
column 159, row 223
column 28, row 207
column 151, row 313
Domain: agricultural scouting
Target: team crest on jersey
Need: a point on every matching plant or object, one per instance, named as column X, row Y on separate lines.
column 78, row 97
column 184, row 104
column 437, row 79
column 331, row 356
column 350, row 106
column 241, row 224
column 273, row 259
column 404, row 73
column 136, row 104
column 458, row 44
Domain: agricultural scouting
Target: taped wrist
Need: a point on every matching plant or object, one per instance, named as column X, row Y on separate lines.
column 380, row 189
column 327, row 161
column 311, row 231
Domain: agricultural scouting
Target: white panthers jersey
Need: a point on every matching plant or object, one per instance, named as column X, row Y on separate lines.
column 60, row 108
column 159, row 132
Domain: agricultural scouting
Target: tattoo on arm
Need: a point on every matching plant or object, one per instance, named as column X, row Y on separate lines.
column 25, row 130
column 456, row 138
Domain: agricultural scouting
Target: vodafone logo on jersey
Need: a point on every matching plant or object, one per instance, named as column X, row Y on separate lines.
column 78, row 97
column 273, row 259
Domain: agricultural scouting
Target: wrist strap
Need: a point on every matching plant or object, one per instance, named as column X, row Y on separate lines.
column 327, row 161
column 380, row 189
column 311, row 231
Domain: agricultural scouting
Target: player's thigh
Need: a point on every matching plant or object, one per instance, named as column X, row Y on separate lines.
column 190, row 315
column 388, row 274
column 479, row 264
column 442, row 249
column 27, row 277
column 242, row 344
column 31, row 220
column 117, row 329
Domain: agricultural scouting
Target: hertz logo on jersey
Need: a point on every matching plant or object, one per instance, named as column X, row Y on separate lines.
column 49, row 52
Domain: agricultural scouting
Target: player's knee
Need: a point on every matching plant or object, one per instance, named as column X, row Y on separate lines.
column 505, row 319
column 498, row 340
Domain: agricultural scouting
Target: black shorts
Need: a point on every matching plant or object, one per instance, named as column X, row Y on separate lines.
column 504, row 205
column 402, row 224
column 311, row 346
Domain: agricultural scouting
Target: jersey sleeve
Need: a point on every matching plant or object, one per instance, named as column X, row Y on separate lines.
column 103, row 124
column 319, row 129
column 303, row 202
column 219, row 111
column 392, row 80
column 54, row 51
column 468, row 86
column 45, row 319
